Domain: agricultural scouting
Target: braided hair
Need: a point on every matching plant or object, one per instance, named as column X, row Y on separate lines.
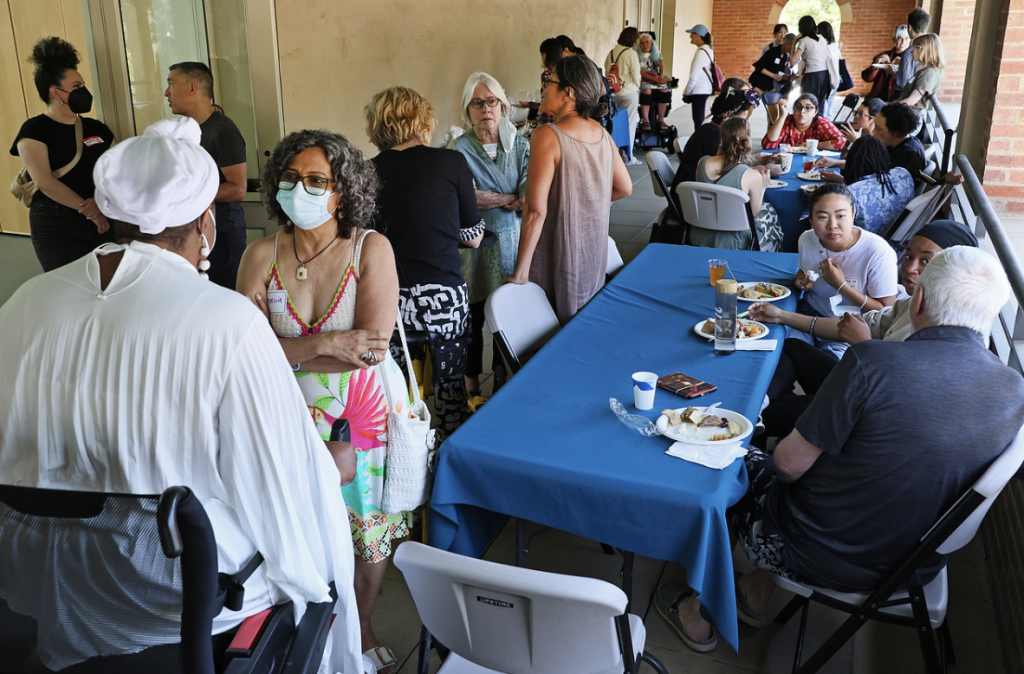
column 868, row 157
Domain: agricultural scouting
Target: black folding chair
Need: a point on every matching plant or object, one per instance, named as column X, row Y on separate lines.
column 850, row 104
column 94, row 582
column 903, row 599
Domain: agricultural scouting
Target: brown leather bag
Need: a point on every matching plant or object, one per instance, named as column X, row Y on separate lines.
column 24, row 188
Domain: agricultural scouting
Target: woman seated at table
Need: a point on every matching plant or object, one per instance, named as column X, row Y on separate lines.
column 426, row 207
column 855, row 269
column 498, row 159
column 879, row 190
column 731, row 168
column 802, row 363
column 706, row 140
column 804, row 124
column 575, row 173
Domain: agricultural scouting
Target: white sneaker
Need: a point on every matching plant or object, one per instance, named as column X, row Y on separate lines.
column 633, row 161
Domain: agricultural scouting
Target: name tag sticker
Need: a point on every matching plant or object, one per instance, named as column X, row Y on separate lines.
column 778, row 61
column 277, row 300
column 92, row 140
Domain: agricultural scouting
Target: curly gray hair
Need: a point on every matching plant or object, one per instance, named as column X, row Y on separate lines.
column 355, row 175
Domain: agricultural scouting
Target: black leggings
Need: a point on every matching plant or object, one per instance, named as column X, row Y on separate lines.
column 61, row 235
column 801, row 362
column 697, row 105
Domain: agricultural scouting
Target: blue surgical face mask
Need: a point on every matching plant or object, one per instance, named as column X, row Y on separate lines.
column 302, row 208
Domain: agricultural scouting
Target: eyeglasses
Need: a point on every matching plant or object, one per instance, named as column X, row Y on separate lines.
column 804, row 108
column 553, row 81
column 862, row 115
column 479, row 103
column 314, row 185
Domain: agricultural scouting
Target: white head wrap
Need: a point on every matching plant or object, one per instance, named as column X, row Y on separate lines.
column 506, row 130
column 160, row 179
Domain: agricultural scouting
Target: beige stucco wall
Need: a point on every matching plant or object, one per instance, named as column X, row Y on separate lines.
column 687, row 15
column 335, row 55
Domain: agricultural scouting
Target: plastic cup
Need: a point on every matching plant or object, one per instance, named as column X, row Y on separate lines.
column 786, row 160
column 808, row 165
column 812, row 146
column 785, row 148
column 644, row 384
column 717, row 270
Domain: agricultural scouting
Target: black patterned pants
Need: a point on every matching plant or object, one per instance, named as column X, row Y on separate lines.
column 443, row 311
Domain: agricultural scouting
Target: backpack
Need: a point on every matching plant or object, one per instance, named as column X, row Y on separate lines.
column 716, row 76
column 614, row 81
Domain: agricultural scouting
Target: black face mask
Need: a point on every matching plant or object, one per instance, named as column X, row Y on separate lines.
column 79, row 100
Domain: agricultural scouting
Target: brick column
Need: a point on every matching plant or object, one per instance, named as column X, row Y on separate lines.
column 957, row 21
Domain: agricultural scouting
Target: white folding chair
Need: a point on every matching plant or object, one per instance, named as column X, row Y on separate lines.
column 498, row 618
column 716, row 207
column 521, row 321
column 902, row 599
column 662, row 175
column 615, row 262
column 679, row 143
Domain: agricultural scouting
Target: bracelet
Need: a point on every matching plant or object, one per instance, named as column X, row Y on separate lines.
column 296, row 366
column 840, row 288
column 813, row 321
column 866, row 298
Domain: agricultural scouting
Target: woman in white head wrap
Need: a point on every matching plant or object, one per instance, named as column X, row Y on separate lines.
column 125, row 371
column 498, row 159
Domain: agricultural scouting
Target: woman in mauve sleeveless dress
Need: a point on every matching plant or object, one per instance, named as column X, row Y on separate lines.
column 334, row 324
column 574, row 176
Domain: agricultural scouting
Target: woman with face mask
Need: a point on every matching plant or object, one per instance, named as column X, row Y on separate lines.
column 329, row 288
column 59, row 149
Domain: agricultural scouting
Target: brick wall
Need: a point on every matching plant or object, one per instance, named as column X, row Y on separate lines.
column 957, row 22
column 1004, row 538
column 1003, row 175
column 742, row 27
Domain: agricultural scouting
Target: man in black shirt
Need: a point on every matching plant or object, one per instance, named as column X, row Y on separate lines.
column 190, row 93
column 894, row 126
column 897, row 433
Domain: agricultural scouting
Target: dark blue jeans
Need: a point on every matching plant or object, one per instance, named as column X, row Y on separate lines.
column 61, row 235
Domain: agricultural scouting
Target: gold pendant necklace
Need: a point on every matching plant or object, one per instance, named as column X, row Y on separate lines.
column 300, row 273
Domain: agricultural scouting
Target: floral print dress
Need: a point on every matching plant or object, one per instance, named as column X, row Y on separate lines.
column 358, row 396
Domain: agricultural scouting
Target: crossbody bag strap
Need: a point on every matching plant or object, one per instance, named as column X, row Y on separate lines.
column 415, row 391
column 78, row 153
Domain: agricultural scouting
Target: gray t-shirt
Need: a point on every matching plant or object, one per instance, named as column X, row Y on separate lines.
column 927, row 79
column 222, row 139
column 815, row 54
column 905, row 428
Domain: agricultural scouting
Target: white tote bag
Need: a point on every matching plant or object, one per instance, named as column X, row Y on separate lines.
column 410, row 452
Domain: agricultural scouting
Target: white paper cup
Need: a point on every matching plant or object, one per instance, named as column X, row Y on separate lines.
column 786, row 161
column 644, row 385
column 812, row 146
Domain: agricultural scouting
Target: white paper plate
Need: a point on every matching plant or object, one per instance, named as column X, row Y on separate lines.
column 787, row 292
column 673, row 432
column 776, row 184
column 745, row 321
column 830, row 153
column 813, row 176
column 809, row 189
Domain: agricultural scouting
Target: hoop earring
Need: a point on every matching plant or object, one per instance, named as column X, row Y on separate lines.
column 204, row 264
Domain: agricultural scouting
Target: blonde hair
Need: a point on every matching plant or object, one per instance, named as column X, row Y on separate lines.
column 932, row 53
column 396, row 116
column 492, row 85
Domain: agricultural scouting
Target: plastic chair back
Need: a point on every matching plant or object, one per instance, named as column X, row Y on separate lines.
column 723, row 209
column 511, row 619
column 679, row 143
column 989, row 485
column 661, row 172
column 523, row 317
column 615, row 262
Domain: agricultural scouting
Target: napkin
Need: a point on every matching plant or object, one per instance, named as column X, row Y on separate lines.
column 757, row 345
column 716, row 457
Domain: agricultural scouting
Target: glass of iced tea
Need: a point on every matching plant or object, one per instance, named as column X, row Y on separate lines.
column 717, row 269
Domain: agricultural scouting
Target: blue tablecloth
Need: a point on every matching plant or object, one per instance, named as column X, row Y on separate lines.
column 547, row 447
column 620, row 130
column 790, row 204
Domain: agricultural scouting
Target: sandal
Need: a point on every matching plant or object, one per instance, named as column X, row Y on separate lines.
column 663, row 126
column 665, row 599
column 645, row 125
column 745, row 614
column 381, row 657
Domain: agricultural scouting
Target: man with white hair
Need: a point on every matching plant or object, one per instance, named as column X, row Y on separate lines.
column 128, row 372
column 896, row 434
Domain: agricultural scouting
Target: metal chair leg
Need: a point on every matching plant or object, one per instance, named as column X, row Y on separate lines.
column 800, row 636
column 654, row 662
column 790, row 609
column 947, row 643
column 423, row 665
column 923, row 627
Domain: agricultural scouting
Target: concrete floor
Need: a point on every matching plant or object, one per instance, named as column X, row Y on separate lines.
column 878, row 649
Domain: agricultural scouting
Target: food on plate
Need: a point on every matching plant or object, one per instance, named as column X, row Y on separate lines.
column 695, row 418
column 759, row 290
column 674, row 418
column 744, row 329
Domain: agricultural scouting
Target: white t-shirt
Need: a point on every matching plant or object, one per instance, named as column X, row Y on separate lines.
column 815, row 54
column 869, row 266
column 700, row 73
